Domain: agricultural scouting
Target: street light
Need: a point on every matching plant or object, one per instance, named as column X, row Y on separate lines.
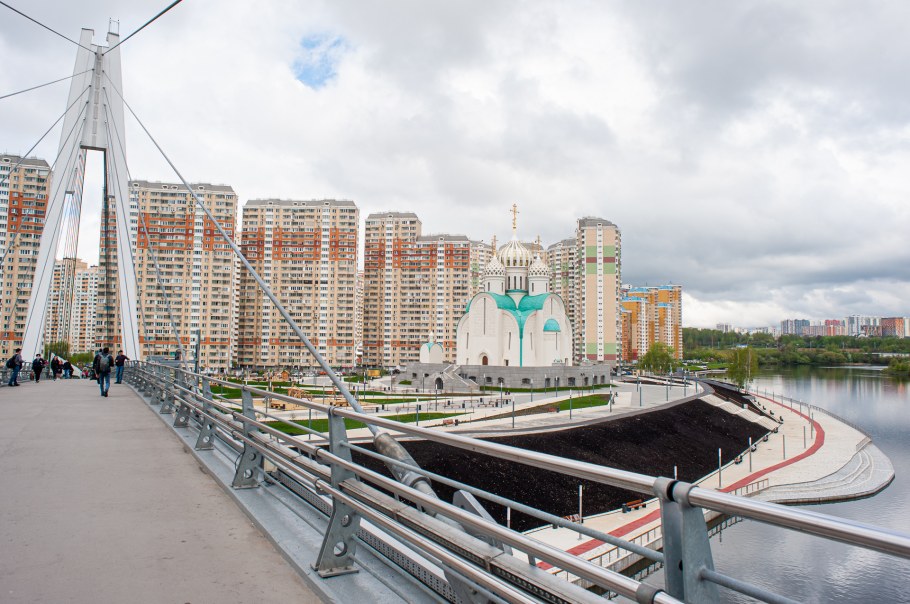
column 532, row 390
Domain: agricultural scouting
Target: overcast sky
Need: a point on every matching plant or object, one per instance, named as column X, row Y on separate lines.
column 749, row 151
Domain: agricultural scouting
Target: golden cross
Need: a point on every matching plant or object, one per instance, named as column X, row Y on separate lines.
column 514, row 217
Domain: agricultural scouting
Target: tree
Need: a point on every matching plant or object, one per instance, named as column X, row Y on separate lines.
column 743, row 366
column 61, row 349
column 659, row 359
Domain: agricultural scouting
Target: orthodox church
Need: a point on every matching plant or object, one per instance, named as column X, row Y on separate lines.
column 515, row 321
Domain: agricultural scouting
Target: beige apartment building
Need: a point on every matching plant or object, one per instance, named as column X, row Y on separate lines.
column 596, row 319
column 71, row 309
column 415, row 288
column 481, row 253
column 562, row 258
column 307, row 253
column 197, row 273
column 651, row 314
column 83, row 307
column 23, row 202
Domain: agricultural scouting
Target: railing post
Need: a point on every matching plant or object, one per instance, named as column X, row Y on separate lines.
column 206, row 438
column 167, row 393
column 336, row 556
column 183, row 410
column 251, row 459
column 687, row 550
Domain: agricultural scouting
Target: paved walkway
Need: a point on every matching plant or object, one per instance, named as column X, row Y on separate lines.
column 784, row 459
column 100, row 503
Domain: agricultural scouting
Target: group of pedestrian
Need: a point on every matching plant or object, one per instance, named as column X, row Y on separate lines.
column 102, row 366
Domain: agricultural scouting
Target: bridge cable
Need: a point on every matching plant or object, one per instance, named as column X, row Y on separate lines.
column 159, row 281
column 147, row 23
column 35, row 21
column 342, row 388
column 22, row 158
column 6, row 96
column 43, row 268
column 15, row 234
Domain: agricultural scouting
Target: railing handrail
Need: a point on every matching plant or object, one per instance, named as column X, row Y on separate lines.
column 669, row 491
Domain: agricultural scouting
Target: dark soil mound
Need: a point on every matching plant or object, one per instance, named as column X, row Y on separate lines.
column 686, row 436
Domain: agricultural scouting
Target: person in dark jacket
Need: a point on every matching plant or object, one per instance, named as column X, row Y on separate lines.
column 37, row 367
column 118, row 362
column 67, row 370
column 105, row 362
column 55, row 368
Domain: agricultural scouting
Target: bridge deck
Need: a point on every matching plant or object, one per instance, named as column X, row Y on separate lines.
column 100, row 503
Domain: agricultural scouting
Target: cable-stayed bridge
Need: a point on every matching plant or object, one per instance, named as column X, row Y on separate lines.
column 351, row 531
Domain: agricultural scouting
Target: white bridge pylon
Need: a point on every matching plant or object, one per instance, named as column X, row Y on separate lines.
column 95, row 124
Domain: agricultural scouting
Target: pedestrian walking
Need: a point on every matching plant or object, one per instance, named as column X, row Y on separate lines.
column 118, row 362
column 67, row 370
column 55, row 367
column 105, row 362
column 95, row 363
column 14, row 364
column 38, row 366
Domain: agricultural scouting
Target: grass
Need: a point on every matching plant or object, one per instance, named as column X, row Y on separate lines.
column 561, row 388
column 322, row 425
column 582, row 402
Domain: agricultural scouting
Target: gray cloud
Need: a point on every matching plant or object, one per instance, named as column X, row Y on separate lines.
column 753, row 152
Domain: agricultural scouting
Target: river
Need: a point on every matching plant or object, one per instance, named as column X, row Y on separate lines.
column 809, row 569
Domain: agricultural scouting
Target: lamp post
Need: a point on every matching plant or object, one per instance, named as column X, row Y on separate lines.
column 532, row 390
column 570, row 403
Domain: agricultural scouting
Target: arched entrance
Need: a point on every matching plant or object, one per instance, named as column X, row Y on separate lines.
column 439, row 384
column 484, row 360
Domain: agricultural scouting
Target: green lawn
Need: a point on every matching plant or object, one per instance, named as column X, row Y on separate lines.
column 322, row 425
column 581, row 402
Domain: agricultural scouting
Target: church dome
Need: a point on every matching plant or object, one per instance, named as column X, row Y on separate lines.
column 494, row 268
column 514, row 254
column 538, row 269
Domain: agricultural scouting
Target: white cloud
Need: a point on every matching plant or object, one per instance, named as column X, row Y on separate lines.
column 752, row 152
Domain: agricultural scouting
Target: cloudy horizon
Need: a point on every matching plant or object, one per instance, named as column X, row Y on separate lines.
column 749, row 152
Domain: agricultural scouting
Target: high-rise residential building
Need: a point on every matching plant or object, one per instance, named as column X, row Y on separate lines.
column 415, row 288
column 896, row 327
column 307, row 253
column 597, row 322
column 23, row 202
column 83, row 307
column 562, row 258
column 724, row 327
column 58, row 320
column 193, row 282
column 793, row 326
column 858, row 325
column 652, row 314
column 358, row 318
column 480, row 255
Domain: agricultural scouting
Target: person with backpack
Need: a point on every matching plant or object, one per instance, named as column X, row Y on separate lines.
column 118, row 362
column 15, row 365
column 38, row 366
column 95, row 362
column 105, row 362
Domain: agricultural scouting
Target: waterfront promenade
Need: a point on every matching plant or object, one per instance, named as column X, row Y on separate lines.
column 102, row 503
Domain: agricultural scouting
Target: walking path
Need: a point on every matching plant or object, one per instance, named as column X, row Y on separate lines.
column 833, row 462
column 101, row 503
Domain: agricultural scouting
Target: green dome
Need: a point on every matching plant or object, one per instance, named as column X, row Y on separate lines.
column 551, row 325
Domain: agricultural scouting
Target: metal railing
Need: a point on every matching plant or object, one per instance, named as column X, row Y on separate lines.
column 482, row 560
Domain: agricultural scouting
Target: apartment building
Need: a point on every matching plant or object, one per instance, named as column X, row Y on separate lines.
column 307, row 253
column 652, row 314
column 83, row 307
column 481, row 253
column 24, row 189
column 597, row 321
column 415, row 287
column 562, row 258
column 192, row 282
column 897, row 327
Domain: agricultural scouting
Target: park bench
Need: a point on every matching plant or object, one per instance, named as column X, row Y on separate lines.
column 633, row 505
